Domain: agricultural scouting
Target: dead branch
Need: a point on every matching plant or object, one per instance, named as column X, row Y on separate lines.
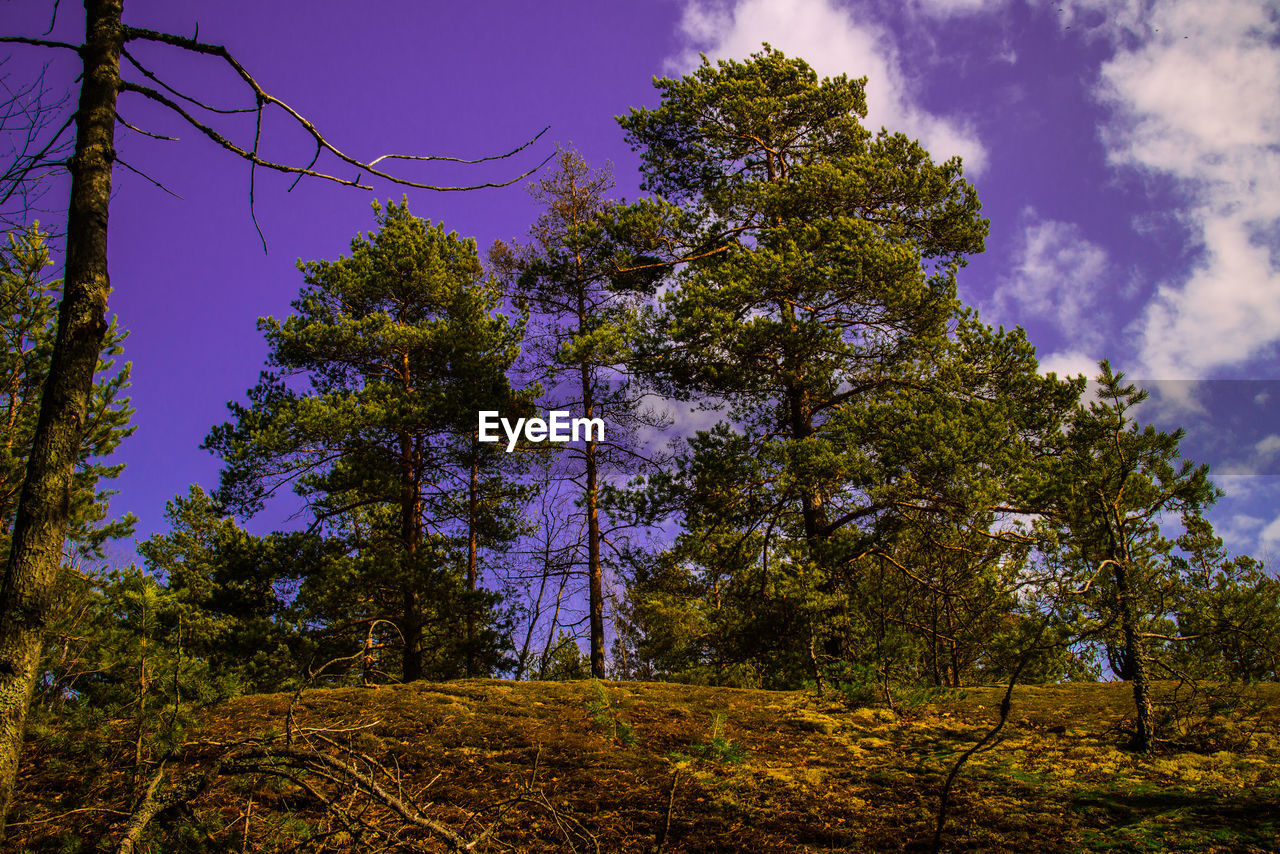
column 221, row 140
column 313, row 673
column 264, row 99
column 30, row 152
column 39, row 42
column 143, row 815
column 242, row 760
column 144, row 176
column 306, row 767
column 122, row 121
column 156, row 803
column 671, row 803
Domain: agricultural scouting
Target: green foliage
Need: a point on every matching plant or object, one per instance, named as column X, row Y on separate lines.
column 717, row 748
column 858, row 684
column 369, row 412
column 605, row 718
column 1227, row 608
column 1152, row 605
column 566, row 663
column 28, row 325
column 1117, row 488
column 856, row 521
column 231, row 589
column 121, row 675
column 928, row 695
column 875, row 432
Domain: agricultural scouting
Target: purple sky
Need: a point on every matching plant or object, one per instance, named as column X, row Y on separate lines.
column 1127, row 154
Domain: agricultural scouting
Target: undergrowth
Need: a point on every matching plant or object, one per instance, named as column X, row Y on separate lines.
column 717, row 748
column 606, row 718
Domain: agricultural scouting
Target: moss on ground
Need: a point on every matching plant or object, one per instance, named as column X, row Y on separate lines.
column 755, row 771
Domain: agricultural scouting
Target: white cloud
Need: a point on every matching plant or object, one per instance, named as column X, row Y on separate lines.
column 1195, row 92
column 1269, row 447
column 1245, row 522
column 1112, row 19
column 1057, row 277
column 1251, row 461
column 1246, row 517
column 957, row 8
column 1069, row 363
column 1240, row 532
column 1239, row 487
column 830, row 40
column 1270, row 535
column 1174, row 400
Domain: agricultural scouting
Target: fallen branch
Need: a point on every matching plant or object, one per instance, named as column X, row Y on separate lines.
column 671, row 803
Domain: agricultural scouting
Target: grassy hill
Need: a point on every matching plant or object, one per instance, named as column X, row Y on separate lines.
column 639, row 767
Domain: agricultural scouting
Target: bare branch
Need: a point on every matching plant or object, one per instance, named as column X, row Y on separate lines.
column 221, row 140
column 147, row 73
column 146, row 177
column 53, row 16
column 253, row 167
column 19, row 172
column 443, row 159
column 671, row 802
column 30, row 152
column 264, row 98
column 38, row 42
column 122, row 121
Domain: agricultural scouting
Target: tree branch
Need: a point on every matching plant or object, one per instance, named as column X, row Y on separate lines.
column 264, row 98
column 39, row 42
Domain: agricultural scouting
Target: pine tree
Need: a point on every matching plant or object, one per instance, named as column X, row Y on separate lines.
column 1118, row 485
column 369, row 412
column 231, row 592
column 815, row 297
column 1227, row 611
column 27, row 317
column 586, row 312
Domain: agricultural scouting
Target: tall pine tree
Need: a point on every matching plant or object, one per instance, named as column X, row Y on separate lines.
column 815, row 295
column 369, row 413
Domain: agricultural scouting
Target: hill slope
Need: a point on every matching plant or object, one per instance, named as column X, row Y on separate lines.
column 631, row 767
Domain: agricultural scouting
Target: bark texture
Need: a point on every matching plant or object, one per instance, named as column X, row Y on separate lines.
column 40, row 526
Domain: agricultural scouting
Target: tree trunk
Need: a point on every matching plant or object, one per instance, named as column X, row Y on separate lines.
column 594, row 574
column 410, row 533
column 411, row 628
column 41, row 521
column 473, row 505
column 1135, row 657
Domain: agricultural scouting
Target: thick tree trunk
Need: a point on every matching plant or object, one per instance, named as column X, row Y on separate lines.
column 41, row 522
